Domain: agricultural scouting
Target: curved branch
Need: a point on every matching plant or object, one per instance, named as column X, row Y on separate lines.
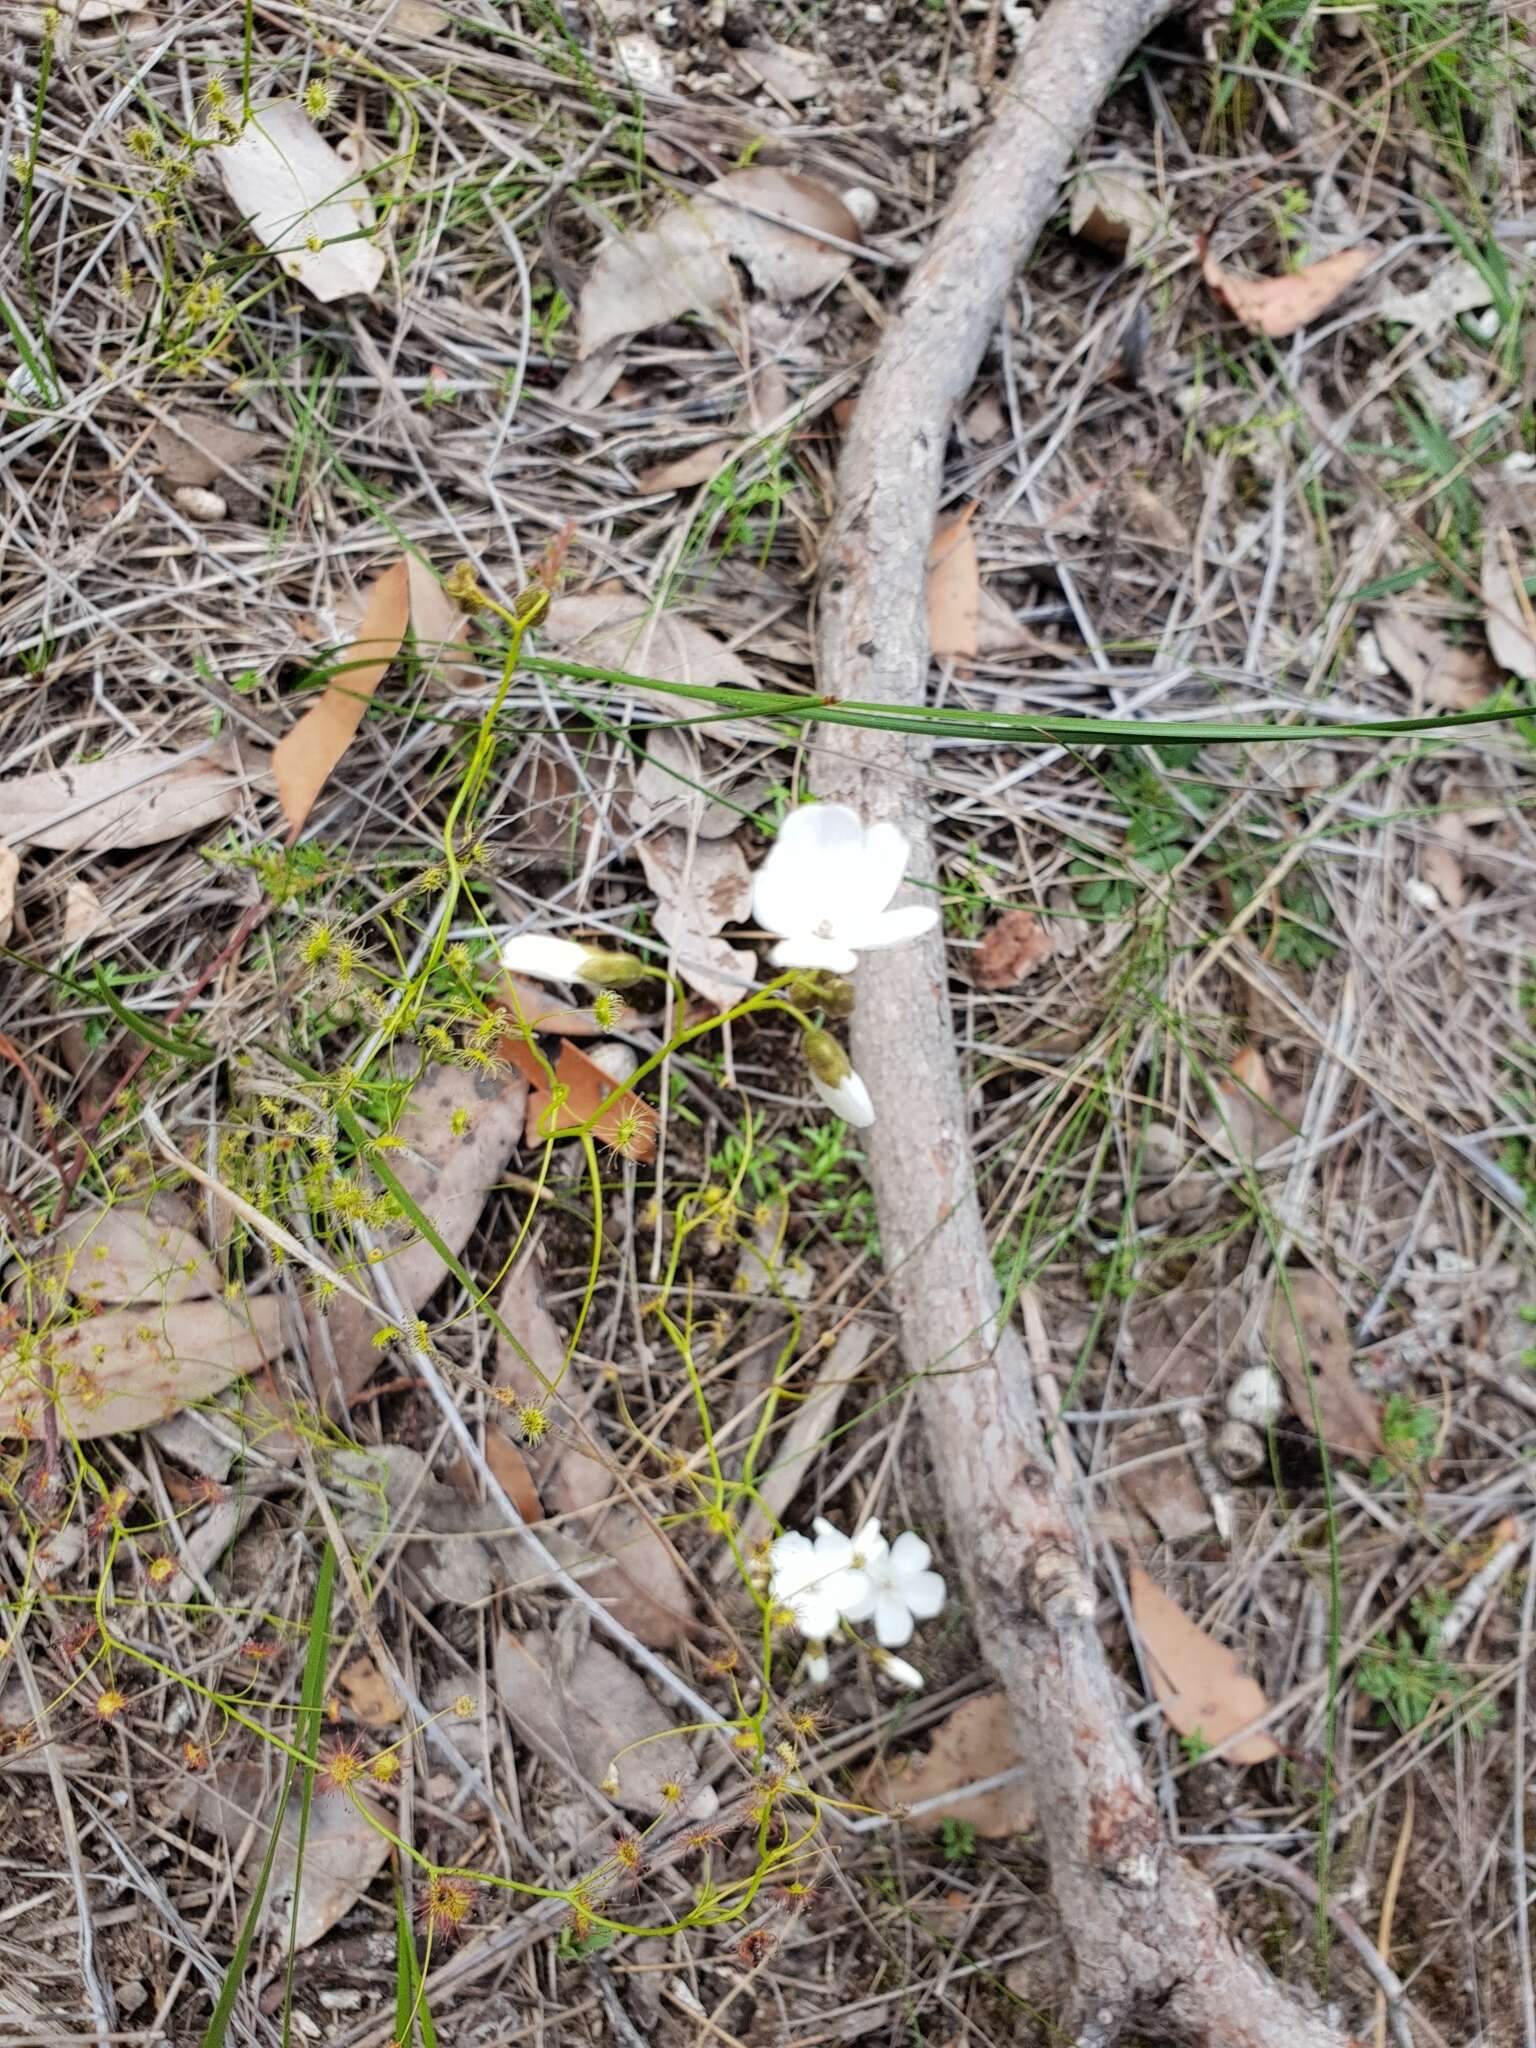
column 1142, row 1923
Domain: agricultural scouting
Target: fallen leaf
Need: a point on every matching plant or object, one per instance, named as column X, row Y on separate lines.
column 85, row 916
column 448, row 1175
column 1439, row 674
column 642, row 1584
column 130, row 1367
column 976, row 1741
column 1277, row 306
column 1440, row 867
column 1240, row 1123
column 524, row 1310
column 342, row 1850
column 683, row 471
column 1172, row 1344
column 439, row 628
column 683, row 263
column 530, row 1003
column 507, row 1466
column 125, row 1254
column 1199, row 1684
column 302, row 201
column 611, row 629
column 672, row 787
column 10, row 872
column 196, row 449
column 1014, row 943
column 585, row 1084
column 701, row 885
column 584, row 1712
column 1114, row 211
column 954, row 588
column 788, row 73
column 133, row 799
column 1308, row 1337
column 306, row 754
column 411, row 20
column 1507, row 610
column 370, row 1694
column 1165, row 1489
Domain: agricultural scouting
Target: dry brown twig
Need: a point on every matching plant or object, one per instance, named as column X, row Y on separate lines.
column 1142, row 1923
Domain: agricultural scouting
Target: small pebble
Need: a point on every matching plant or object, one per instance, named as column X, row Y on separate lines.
column 203, row 506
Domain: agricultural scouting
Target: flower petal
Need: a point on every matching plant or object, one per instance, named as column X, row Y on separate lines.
column 849, row 1100
column 860, row 1605
column 890, row 928
column 544, row 956
column 868, row 1544
column 884, row 863
column 925, row 1594
column 900, row 1672
column 909, row 1553
column 803, row 881
column 818, row 1668
column 893, row 1621
column 805, row 949
column 816, row 1613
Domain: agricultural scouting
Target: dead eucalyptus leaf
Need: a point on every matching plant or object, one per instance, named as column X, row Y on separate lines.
column 448, row 1175
column 524, row 1310
column 1165, row 1490
column 85, row 916
column 133, row 1366
column 1201, row 1687
column 134, row 799
column 642, row 1585
column 197, row 449
column 125, row 1254
column 1506, row 608
column 1439, row 674
column 1308, row 1336
column 611, row 629
column 954, row 588
column 1114, row 211
column 439, row 628
column 1277, row 306
column 306, row 755
column 302, row 201
column 585, row 1714
column 701, row 885
column 682, row 264
column 409, row 21
column 1014, row 945
column 10, row 872
column 628, row 1123
column 975, row 1742
column 342, row 1850
column 672, row 787
column 1241, row 1123
column 684, row 471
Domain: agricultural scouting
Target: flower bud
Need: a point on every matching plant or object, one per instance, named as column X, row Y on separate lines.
column 611, row 970
column 826, row 1058
column 832, row 993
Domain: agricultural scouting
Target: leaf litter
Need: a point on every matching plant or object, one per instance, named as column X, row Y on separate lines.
column 1202, row 1689
column 1278, row 306
column 583, row 1707
column 303, row 201
column 1308, row 1341
column 138, row 798
column 305, row 758
column 975, row 1742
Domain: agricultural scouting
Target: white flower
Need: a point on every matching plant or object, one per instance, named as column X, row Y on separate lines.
column 547, row 958
column 849, row 1099
column 818, row 1666
column 820, row 1581
column 825, row 886
column 544, row 956
column 899, row 1671
column 900, row 1590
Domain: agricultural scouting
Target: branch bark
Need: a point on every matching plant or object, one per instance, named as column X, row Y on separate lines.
column 1142, row 1925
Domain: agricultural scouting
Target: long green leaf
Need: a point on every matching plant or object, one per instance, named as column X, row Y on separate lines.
column 1018, row 728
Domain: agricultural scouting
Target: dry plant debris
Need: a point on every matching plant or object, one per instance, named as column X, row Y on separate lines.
column 573, row 308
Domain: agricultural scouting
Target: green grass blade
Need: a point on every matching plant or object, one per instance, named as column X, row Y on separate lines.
column 410, row 1998
column 310, row 1701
